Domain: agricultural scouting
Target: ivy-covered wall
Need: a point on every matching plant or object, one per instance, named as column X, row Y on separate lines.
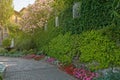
column 101, row 48
column 94, row 14
column 98, row 13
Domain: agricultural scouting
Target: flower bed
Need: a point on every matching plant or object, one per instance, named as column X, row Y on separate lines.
column 79, row 73
column 50, row 60
column 69, row 69
column 83, row 74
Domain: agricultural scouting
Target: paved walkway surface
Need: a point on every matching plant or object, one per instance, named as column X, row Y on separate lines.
column 23, row 69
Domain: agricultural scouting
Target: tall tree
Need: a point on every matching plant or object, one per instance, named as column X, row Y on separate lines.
column 36, row 15
column 6, row 10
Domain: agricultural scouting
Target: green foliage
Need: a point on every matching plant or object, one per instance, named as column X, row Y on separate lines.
column 64, row 47
column 25, row 52
column 41, row 37
column 71, row 25
column 96, row 47
column 113, row 32
column 12, row 51
column 60, row 44
column 13, row 29
column 60, row 48
column 64, row 5
column 75, row 45
column 66, row 21
column 6, row 11
column 93, row 15
column 6, row 42
column 109, row 76
column 32, row 51
column 65, row 59
column 23, row 41
column 3, row 51
column 97, row 13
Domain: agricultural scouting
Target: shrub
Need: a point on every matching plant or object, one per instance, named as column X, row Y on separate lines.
column 13, row 51
column 65, row 59
column 25, row 52
column 60, row 48
column 98, row 48
column 113, row 32
column 42, row 37
column 32, row 51
column 23, row 41
column 64, row 47
column 3, row 51
column 6, row 42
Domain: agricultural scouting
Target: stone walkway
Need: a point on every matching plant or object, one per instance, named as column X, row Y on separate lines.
column 23, row 69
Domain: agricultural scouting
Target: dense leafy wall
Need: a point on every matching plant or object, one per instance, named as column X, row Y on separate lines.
column 99, row 12
column 94, row 14
column 68, row 23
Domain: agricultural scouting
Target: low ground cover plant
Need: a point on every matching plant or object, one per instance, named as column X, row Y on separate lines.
column 110, row 75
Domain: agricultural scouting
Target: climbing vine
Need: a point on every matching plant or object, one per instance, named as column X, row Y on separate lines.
column 95, row 14
column 99, row 13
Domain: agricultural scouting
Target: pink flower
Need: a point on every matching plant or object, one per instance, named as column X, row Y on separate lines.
column 87, row 78
column 37, row 15
column 50, row 60
column 83, row 74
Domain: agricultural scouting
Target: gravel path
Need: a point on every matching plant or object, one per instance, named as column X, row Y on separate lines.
column 23, row 69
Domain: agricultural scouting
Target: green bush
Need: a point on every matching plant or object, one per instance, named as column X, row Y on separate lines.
column 6, row 42
column 25, row 52
column 32, row 51
column 24, row 41
column 3, row 51
column 12, row 51
column 65, row 59
column 60, row 48
column 64, row 47
column 42, row 37
column 96, row 47
column 113, row 32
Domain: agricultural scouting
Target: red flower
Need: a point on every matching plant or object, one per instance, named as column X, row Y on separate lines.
column 69, row 69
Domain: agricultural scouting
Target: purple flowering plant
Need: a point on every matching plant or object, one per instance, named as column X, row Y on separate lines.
column 83, row 74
